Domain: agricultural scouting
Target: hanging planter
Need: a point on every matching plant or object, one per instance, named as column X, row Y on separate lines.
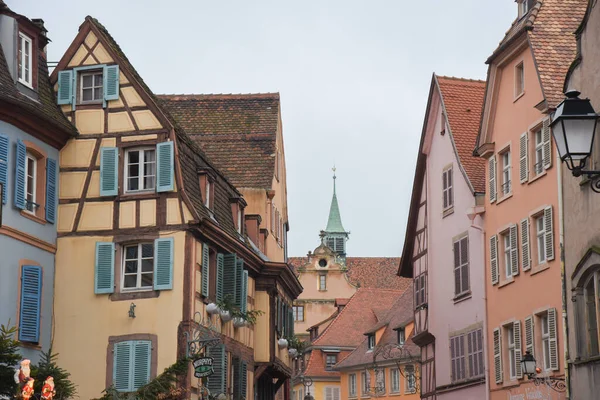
column 293, row 352
column 225, row 315
column 239, row 322
column 283, row 343
column 212, row 308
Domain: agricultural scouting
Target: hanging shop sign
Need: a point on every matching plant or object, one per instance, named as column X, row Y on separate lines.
column 203, row 367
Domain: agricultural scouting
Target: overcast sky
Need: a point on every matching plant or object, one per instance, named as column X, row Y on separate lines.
column 353, row 77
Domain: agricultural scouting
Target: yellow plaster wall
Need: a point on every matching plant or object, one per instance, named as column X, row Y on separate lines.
column 90, row 121
column 147, row 212
column 119, row 122
column 132, row 97
column 108, row 142
column 173, row 215
column 89, row 60
column 127, row 214
column 94, row 188
column 138, row 137
column 96, row 216
column 262, row 327
column 116, row 103
column 186, row 213
column 102, row 55
column 145, row 119
column 71, row 184
column 90, row 39
column 122, row 78
column 66, row 217
column 78, row 56
column 96, row 317
column 77, row 153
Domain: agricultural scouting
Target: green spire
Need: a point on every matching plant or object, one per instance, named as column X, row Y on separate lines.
column 334, row 224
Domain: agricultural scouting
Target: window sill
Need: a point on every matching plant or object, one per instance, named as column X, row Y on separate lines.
column 519, row 96
column 89, row 106
column 322, row 290
column 448, row 211
column 33, row 346
column 462, row 297
column 33, row 217
column 26, row 84
column 539, row 268
column 506, row 282
column 538, row 176
column 395, row 394
column 137, row 196
column 505, row 197
column 147, row 294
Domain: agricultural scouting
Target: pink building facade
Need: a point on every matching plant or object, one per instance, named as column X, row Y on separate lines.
column 444, row 246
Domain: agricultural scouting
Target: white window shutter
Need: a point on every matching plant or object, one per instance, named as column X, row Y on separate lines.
column 525, row 247
column 549, row 226
column 492, row 179
column 498, row 355
column 494, row 259
column 514, row 250
column 524, row 158
column 518, row 348
column 529, row 335
column 547, row 139
column 553, row 333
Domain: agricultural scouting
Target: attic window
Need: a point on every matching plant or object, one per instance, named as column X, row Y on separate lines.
column 25, row 60
column 371, row 342
column 524, row 7
column 401, row 336
column 91, row 87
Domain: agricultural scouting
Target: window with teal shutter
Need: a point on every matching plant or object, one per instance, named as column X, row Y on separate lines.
column 239, row 283
column 65, row 87
column 104, row 268
column 244, row 379
column 31, row 299
column 290, row 322
column 205, row 269
column 141, row 363
column 230, row 276
column 236, row 364
column 220, row 274
column 245, row 292
column 131, row 364
column 4, row 166
column 51, row 181
column 165, row 164
column 217, row 382
column 20, row 175
column 109, row 169
column 163, row 264
column 111, row 82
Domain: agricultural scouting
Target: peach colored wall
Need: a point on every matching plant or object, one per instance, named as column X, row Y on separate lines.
column 344, row 392
column 530, row 291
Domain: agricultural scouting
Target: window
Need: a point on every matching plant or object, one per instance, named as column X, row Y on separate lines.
column 31, row 296
column 298, row 313
column 545, row 340
column 519, row 79
column 207, row 194
column 507, row 254
column 322, row 282
column 25, row 59
column 591, row 320
column 510, row 335
column 90, row 87
column 365, row 382
column 352, row 385
column 420, row 294
column 475, row 353
column 466, row 355
column 332, row 393
column 138, row 266
column 401, row 336
column 524, row 7
column 239, row 219
column 461, row 266
column 506, row 183
column 541, row 239
column 411, row 379
column 30, row 182
column 457, row 357
column 539, row 152
column 380, row 380
column 330, row 361
column 395, row 380
column 448, row 197
column 140, row 171
column 131, row 364
column 370, row 342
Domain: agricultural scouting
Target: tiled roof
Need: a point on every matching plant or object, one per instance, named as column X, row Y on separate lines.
column 400, row 312
column 357, row 316
column 46, row 108
column 463, row 103
column 238, row 132
column 316, row 364
column 367, row 272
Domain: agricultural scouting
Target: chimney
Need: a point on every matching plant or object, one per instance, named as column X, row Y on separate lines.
column 253, row 228
column 264, row 234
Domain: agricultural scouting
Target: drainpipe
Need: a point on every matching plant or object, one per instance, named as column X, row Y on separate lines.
column 563, row 281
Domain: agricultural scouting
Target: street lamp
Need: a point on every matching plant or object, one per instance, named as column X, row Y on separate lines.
column 574, row 127
column 531, row 371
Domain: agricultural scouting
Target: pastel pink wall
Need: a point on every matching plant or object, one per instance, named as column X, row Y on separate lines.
column 446, row 316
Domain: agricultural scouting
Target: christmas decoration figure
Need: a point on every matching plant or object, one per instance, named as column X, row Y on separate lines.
column 22, row 374
column 27, row 391
column 48, row 391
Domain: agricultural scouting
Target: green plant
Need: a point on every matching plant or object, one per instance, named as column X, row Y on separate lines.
column 227, row 304
column 295, row 343
column 65, row 389
column 9, row 357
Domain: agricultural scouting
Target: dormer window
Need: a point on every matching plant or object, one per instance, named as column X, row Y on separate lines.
column 371, row 341
column 524, row 7
column 239, row 220
column 25, row 60
column 207, row 187
column 207, row 194
column 91, row 87
column 401, row 336
column 237, row 212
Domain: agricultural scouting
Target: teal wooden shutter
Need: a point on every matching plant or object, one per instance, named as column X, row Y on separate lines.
column 142, row 355
column 217, row 382
column 290, row 322
column 51, row 175
column 20, row 175
column 205, row 269
column 239, row 281
column 244, row 379
column 111, row 82
column 163, row 264
column 31, row 296
column 104, row 281
column 220, row 274
column 237, row 375
column 245, row 292
column 165, row 165
column 230, row 276
column 4, row 166
column 65, row 87
column 109, row 171
column 122, row 366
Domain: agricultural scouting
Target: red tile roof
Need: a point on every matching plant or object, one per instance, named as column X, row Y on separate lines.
column 463, row 103
column 316, row 364
column 237, row 131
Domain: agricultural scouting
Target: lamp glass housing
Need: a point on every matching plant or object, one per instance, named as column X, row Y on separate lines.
column 528, row 364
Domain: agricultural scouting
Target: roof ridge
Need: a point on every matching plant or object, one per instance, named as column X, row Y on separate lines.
column 193, row 96
column 459, row 79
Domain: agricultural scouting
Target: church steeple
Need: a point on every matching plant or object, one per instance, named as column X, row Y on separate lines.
column 335, row 236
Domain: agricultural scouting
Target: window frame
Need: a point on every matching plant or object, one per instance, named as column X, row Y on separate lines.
column 141, row 163
column 519, row 80
column 538, row 166
column 458, row 359
column 93, row 73
column 506, row 185
column 24, row 38
column 370, row 341
column 592, row 346
column 401, row 336
column 539, row 249
column 463, row 265
column 447, row 188
column 510, row 351
column 139, row 272
column 322, row 282
column 545, row 341
column 351, row 386
column 506, row 252
column 328, row 365
column 394, row 380
column 112, row 340
column 31, row 205
column 410, row 380
column 365, row 382
column 297, row 311
column 380, row 379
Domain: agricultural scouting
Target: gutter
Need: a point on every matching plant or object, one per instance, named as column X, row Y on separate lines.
column 563, row 283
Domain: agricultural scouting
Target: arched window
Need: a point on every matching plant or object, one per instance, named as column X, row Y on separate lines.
column 586, row 305
column 590, row 293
